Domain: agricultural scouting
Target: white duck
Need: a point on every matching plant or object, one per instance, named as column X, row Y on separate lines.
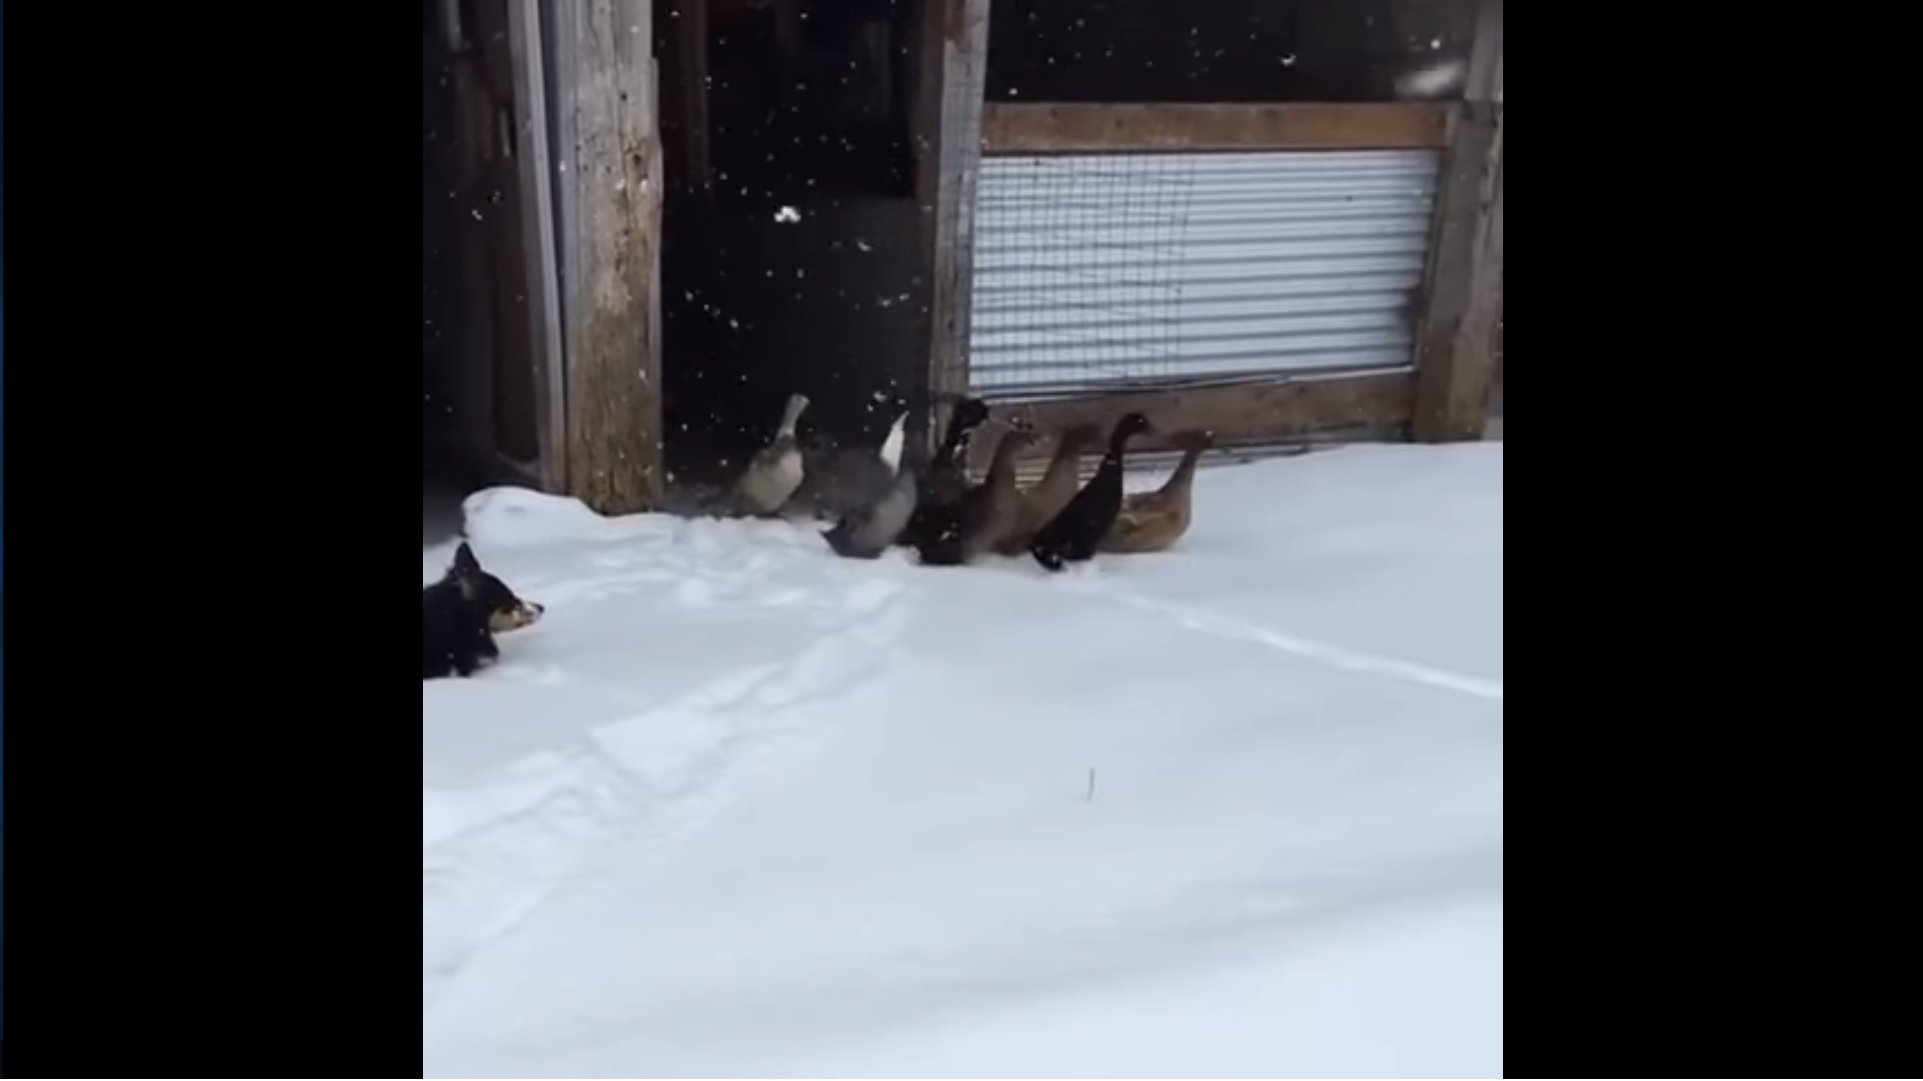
column 776, row 469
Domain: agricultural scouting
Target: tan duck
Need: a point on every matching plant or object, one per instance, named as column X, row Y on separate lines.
column 977, row 523
column 1152, row 521
column 1045, row 498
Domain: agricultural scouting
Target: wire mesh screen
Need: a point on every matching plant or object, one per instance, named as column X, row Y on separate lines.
column 1097, row 273
column 1075, row 261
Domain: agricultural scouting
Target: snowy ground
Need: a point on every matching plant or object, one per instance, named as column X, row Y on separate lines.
column 739, row 808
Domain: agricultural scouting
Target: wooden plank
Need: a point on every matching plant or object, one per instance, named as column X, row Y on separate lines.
column 534, row 163
column 520, row 474
column 1030, row 128
column 1245, row 414
column 690, row 79
column 1458, row 309
column 453, row 34
column 613, row 332
column 475, row 345
column 952, row 75
column 1483, row 81
column 499, row 217
column 565, row 149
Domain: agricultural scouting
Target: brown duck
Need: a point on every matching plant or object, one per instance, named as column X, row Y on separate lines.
column 1152, row 521
column 983, row 517
column 1046, row 498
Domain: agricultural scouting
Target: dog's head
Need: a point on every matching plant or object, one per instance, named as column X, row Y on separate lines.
column 505, row 611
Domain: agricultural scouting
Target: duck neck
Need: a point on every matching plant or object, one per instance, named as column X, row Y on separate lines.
column 891, row 447
column 1067, row 456
column 1001, row 471
column 952, row 445
column 1184, row 472
column 791, row 416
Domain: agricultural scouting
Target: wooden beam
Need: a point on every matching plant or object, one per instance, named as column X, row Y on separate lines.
column 474, row 345
column 1459, row 309
column 695, row 91
column 1247, row 414
column 1483, row 81
column 687, row 69
column 953, row 73
column 564, row 148
column 1010, row 128
column 613, row 327
column 538, row 241
column 453, row 34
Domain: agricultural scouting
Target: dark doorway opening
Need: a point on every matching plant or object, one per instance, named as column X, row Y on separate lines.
column 478, row 402
column 792, row 243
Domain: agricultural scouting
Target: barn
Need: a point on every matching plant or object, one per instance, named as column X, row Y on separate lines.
column 646, row 223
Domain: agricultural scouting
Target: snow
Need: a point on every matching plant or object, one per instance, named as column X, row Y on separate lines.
column 1432, row 80
column 739, row 808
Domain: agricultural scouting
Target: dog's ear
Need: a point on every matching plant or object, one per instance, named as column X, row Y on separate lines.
column 465, row 564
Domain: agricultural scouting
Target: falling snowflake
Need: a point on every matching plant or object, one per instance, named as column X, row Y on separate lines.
column 1431, row 81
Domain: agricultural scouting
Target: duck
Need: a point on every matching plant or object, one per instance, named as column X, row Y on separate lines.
column 843, row 480
column 960, row 532
column 776, row 469
column 945, row 480
column 1074, row 535
column 1046, row 498
column 868, row 530
column 1153, row 521
column 890, row 452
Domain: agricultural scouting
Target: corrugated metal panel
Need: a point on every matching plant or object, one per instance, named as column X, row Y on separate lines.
column 1108, row 271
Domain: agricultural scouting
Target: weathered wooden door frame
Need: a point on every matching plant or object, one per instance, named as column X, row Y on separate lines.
column 1461, row 291
column 538, row 231
column 604, row 213
column 523, row 137
column 950, row 87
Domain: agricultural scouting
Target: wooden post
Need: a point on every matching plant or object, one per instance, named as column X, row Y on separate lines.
column 1455, row 333
column 467, row 151
column 538, row 241
column 1083, row 128
column 948, row 119
column 564, row 148
column 611, row 257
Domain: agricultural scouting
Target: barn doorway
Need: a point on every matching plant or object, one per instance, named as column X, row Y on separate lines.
column 792, row 240
column 480, row 337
